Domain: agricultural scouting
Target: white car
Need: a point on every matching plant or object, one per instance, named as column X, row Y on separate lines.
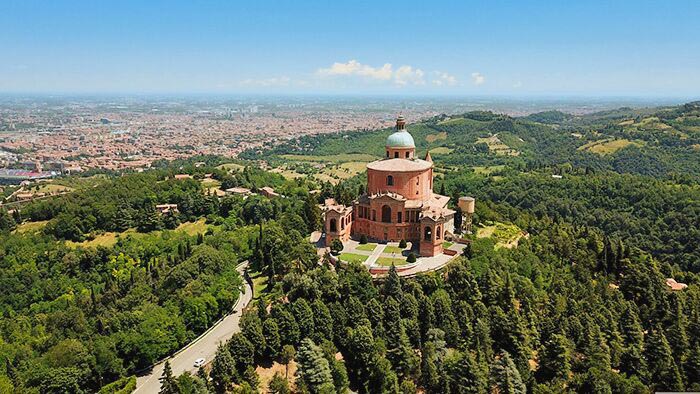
column 198, row 362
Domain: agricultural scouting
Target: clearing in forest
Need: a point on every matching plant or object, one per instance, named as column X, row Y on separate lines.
column 608, row 145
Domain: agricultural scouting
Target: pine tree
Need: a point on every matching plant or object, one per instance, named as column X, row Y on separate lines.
column 677, row 333
column 251, row 327
column 278, row 385
column 314, row 371
column 312, row 214
column 251, row 377
column 203, row 376
column 505, row 376
column 242, row 351
column 467, row 377
column 272, row 338
column 554, row 360
column 288, row 327
column 663, row 370
column 632, row 361
column 223, row 369
column 430, row 378
column 692, row 366
column 168, row 385
column 304, row 317
column 399, row 350
column 6, row 222
column 392, row 285
column 262, row 310
column 323, row 321
column 286, row 356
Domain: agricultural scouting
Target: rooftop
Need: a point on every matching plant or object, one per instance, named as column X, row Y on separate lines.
column 400, row 165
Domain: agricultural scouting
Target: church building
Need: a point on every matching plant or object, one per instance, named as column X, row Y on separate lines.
column 399, row 203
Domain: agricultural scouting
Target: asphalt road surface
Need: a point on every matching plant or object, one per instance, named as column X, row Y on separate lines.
column 203, row 347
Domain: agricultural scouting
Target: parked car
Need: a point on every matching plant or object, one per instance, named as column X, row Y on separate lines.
column 198, row 362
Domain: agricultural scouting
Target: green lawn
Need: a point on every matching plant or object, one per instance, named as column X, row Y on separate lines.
column 388, row 261
column 259, row 284
column 231, row 166
column 366, row 247
column 447, row 244
column 193, row 228
column 341, row 158
column 31, row 227
column 352, row 257
column 392, row 249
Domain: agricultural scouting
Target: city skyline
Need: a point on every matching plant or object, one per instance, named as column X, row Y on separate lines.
column 627, row 49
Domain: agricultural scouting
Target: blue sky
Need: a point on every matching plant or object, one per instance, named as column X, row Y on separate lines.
column 586, row 48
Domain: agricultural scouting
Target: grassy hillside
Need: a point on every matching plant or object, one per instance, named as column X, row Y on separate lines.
column 658, row 142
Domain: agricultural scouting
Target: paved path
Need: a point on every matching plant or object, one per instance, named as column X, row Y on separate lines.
column 375, row 255
column 202, row 347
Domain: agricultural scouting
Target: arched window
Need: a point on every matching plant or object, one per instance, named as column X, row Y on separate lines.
column 390, row 180
column 427, row 234
column 342, row 223
column 333, row 227
column 407, row 155
column 386, row 214
column 396, row 155
column 437, row 232
column 387, row 154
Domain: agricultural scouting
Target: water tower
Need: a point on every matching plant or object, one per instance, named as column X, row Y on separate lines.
column 466, row 205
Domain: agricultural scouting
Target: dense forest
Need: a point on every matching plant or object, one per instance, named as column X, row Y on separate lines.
column 580, row 305
column 76, row 317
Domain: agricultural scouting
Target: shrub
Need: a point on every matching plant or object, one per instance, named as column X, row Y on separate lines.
column 411, row 258
column 402, row 244
column 122, row 386
column 336, row 246
column 363, row 239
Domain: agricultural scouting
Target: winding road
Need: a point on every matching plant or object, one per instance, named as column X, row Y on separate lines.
column 202, row 347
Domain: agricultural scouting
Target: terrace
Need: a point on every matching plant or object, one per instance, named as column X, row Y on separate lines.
column 379, row 257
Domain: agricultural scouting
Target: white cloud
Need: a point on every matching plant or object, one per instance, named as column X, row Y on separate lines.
column 353, row 67
column 443, row 79
column 403, row 76
column 517, row 85
column 478, row 78
column 407, row 75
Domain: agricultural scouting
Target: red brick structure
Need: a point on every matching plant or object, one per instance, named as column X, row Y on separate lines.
column 338, row 221
column 399, row 203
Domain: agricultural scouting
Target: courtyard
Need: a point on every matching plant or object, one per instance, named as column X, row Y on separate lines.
column 379, row 257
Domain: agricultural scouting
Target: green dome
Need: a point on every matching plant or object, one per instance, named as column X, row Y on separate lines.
column 400, row 139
